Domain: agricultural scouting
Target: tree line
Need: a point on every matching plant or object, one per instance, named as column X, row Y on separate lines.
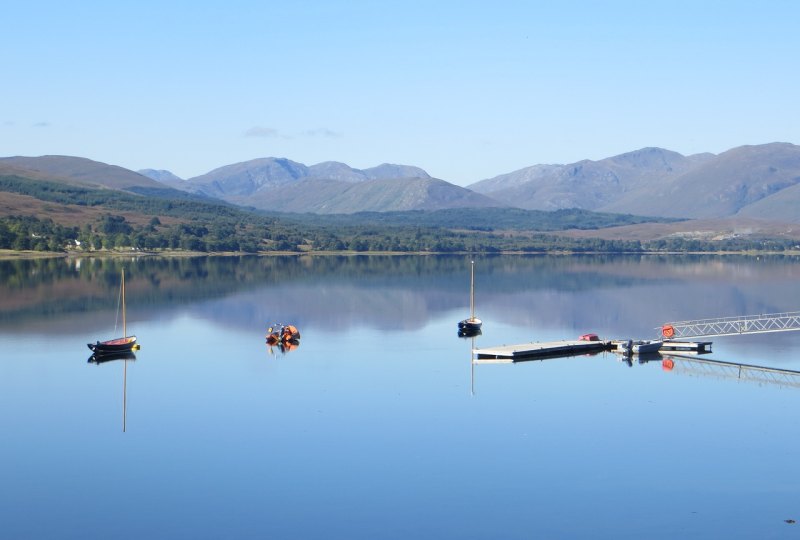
column 168, row 219
column 114, row 232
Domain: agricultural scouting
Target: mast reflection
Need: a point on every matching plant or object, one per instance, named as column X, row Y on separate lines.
column 99, row 359
column 470, row 334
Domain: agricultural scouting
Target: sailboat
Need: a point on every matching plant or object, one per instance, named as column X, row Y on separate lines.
column 471, row 325
column 119, row 345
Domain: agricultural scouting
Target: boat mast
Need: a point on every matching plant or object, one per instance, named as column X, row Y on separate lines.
column 124, row 328
column 471, row 292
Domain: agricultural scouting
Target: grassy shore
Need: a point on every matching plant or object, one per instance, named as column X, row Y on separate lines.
column 10, row 254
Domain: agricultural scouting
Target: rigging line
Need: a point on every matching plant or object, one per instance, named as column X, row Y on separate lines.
column 116, row 317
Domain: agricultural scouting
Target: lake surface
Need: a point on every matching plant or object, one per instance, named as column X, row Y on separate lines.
column 380, row 425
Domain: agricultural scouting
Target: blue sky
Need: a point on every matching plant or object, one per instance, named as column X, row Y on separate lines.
column 465, row 90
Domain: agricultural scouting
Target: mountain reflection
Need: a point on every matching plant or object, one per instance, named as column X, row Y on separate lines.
column 604, row 294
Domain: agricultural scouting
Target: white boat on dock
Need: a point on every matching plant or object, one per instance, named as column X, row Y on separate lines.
column 647, row 346
column 641, row 346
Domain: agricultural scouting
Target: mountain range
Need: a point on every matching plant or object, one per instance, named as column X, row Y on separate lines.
column 326, row 188
column 748, row 181
column 759, row 182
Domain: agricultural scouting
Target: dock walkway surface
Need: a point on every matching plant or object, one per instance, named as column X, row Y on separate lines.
column 542, row 349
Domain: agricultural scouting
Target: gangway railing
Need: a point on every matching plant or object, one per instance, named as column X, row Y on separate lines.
column 732, row 326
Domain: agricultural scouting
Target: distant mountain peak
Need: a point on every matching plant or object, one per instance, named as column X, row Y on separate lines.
column 160, row 175
column 265, row 174
column 390, row 170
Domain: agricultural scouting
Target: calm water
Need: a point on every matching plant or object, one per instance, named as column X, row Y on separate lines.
column 379, row 425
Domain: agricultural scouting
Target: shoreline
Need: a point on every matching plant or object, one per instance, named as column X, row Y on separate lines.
column 10, row 254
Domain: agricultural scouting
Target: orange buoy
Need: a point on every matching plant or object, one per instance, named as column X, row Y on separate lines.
column 667, row 364
column 667, row 331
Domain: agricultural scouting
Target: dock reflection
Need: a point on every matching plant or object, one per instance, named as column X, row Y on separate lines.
column 707, row 367
column 692, row 364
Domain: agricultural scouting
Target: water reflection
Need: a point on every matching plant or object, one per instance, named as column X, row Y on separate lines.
column 103, row 358
column 126, row 357
column 644, row 358
column 706, row 367
column 628, row 295
column 390, row 407
column 693, row 364
column 282, row 347
column 469, row 332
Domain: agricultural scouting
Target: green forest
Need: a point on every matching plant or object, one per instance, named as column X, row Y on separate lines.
column 173, row 220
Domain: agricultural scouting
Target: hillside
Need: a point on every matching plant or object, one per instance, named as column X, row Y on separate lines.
column 748, row 181
column 751, row 181
column 755, row 186
column 586, row 184
column 338, row 197
column 781, row 206
column 78, row 170
column 264, row 174
column 42, row 212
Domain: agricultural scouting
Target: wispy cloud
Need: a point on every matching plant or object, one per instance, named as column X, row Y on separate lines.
column 272, row 133
column 322, row 132
column 263, row 132
column 41, row 124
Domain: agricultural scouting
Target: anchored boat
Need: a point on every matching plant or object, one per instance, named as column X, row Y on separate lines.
column 123, row 344
column 471, row 325
column 283, row 334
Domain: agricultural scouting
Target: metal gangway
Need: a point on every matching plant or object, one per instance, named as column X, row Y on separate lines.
column 732, row 326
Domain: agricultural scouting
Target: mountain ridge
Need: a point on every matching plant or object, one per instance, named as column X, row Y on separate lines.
column 80, row 170
column 659, row 182
column 752, row 181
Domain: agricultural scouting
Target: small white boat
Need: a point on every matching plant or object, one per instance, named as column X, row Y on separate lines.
column 647, row 346
column 639, row 346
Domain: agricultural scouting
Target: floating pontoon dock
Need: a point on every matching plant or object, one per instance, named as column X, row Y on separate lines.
column 554, row 349
column 529, row 351
column 696, row 346
column 699, row 347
